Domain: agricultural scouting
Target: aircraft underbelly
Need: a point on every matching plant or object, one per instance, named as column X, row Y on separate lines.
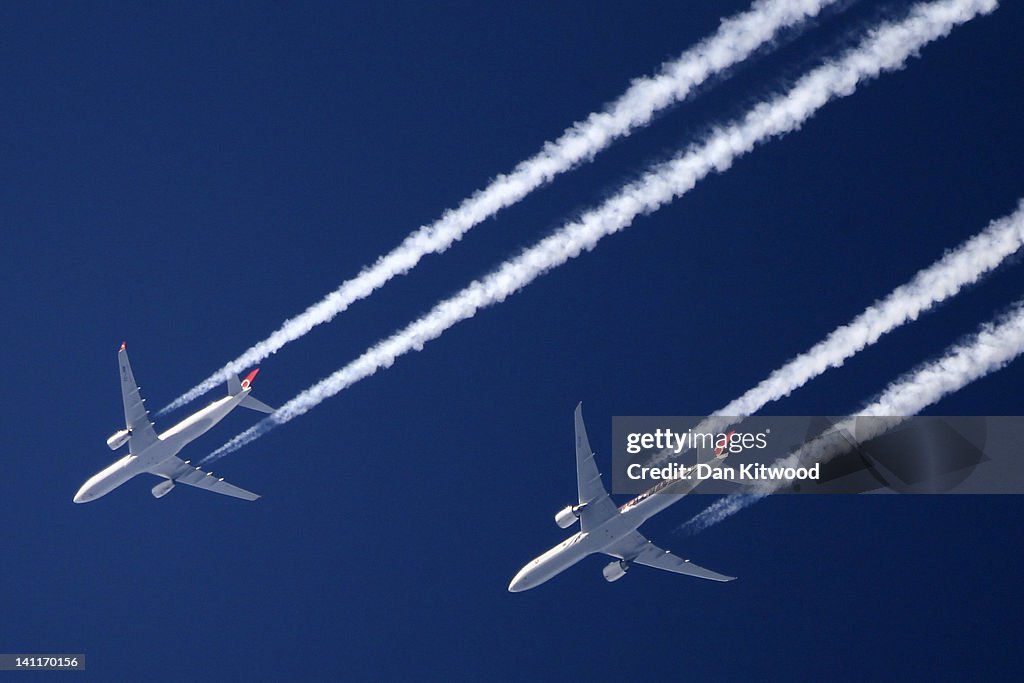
column 114, row 480
column 109, row 479
column 558, row 562
column 175, row 440
column 612, row 531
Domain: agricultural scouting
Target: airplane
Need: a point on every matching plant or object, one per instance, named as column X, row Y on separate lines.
column 609, row 530
column 149, row 453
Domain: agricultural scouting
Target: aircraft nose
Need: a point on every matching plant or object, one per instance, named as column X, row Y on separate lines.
column 82, row 496
column 519, row 582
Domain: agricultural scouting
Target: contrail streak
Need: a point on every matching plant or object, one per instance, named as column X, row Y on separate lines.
column 943, row 279
column 885, row 48
column 940, row 281
column 990, row 349
column 736, row 39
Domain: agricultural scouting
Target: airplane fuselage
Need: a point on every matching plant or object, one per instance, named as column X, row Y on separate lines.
column 168, row 445
column 596, row 540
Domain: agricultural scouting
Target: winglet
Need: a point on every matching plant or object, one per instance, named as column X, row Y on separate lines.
column 123, row 344
column 248, row 380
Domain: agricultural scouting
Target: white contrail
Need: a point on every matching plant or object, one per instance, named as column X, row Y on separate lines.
column 885, row 48
column 736, row 39
column 955, row 270
column 989, row 350
column 943, row 279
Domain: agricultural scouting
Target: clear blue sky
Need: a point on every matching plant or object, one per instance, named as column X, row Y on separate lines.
column 186, row 177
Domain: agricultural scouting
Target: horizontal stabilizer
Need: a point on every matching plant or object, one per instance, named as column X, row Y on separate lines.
column 253, row 403
column 235, row 387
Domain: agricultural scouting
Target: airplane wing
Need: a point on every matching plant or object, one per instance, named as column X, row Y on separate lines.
column 181, row 472
column 136, row 417
column 596, row 506
column 636, row 548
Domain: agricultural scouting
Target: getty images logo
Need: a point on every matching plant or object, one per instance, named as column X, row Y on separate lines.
column 721, row 443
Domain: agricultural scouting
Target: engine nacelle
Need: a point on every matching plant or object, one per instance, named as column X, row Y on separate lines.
column 118, row 439
column 615, row 571
column 567, row 516
column 163, row 488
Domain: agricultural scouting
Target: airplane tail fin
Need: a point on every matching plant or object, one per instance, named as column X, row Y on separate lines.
column 236, row 387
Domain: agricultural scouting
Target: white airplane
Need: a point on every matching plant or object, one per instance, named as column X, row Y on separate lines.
column 158, row 455
column 609, row 530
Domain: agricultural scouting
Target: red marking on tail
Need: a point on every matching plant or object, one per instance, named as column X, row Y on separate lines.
column 720, row 449
column 123, row 344
column 248, row 380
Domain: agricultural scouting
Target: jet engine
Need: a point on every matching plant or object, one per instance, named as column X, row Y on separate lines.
column 163, row 488
column 567, row 516
column 118, row 439
column 615, row 571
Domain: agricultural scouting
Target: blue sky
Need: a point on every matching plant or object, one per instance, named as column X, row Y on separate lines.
column 185, row 178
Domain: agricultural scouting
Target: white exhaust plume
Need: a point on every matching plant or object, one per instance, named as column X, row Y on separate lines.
column 955, row 270
column 736, row 39
column 943, row 279
column 885, row 48
column 989, row 350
